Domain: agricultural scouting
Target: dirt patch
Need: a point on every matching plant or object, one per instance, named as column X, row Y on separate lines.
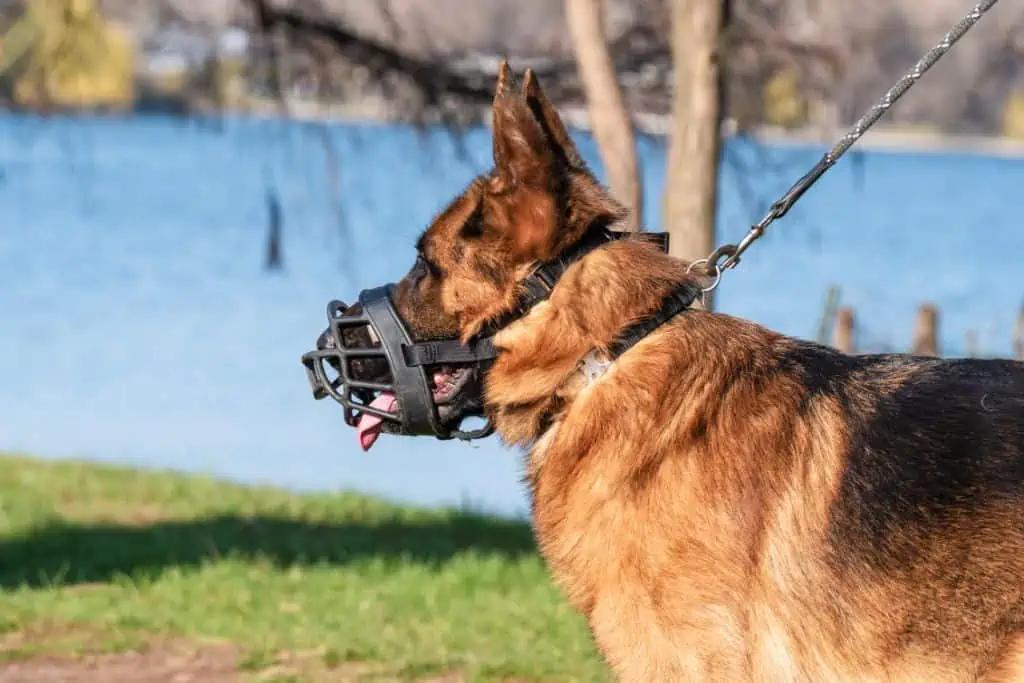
column 77, row 654
column 189, row 663
column 166, row 663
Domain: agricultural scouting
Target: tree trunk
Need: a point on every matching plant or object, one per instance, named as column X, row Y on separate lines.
column 609, row 118
column 691, row 185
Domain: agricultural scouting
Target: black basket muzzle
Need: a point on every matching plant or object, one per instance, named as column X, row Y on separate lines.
column 330, row 369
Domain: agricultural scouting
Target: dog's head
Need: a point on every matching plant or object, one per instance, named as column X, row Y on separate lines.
column 538, row 200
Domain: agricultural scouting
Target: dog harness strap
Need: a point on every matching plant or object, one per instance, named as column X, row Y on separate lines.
column 447, row 351
column 675, row 303
column 409, row 386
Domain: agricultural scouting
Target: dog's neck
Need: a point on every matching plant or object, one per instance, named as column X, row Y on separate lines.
column 542, row 367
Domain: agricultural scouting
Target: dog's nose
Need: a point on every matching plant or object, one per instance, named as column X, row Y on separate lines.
column 326, row 340
column 358, row 335
column 335, row 310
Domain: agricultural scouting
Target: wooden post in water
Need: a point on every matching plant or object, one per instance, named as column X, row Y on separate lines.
column 971, row 344
column 926, row 331
column 273, row 261
column 842, row 333
column 828, row 315
column 1018, row 336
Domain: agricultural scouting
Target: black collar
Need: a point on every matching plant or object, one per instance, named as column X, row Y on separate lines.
column 677, row 301
column 537, row 288
column 542, row 281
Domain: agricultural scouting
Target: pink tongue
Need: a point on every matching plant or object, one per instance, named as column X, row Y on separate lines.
column 368, row 428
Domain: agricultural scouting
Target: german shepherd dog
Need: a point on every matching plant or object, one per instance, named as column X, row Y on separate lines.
column 725, row 503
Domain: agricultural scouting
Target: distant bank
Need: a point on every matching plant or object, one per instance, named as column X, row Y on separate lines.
column 903, row 139
column 882, row 138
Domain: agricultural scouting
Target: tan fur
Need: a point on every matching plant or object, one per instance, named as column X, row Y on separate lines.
column 1009, row 667
column 684, row 501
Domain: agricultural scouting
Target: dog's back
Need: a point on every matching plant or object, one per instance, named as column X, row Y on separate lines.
column 933, row 444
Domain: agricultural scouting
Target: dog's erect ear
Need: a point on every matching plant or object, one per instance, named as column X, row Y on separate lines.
column 527, row 173
column 523, row 156
column 548, row 117
column 532, row 193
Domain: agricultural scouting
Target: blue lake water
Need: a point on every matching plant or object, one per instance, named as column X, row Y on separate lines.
column 137, row 324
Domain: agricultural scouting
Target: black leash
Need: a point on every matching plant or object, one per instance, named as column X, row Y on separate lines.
column 727, row 256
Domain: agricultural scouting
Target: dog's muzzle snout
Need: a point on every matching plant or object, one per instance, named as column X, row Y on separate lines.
column 367, row 361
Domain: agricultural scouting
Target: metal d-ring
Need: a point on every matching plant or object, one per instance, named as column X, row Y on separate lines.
column 711, row 267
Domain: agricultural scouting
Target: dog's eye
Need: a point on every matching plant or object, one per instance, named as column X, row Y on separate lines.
column 425, row 265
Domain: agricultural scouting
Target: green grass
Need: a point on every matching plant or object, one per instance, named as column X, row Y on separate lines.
column 101, row 558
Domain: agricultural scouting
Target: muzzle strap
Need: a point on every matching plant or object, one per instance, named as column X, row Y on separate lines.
column 449, row 351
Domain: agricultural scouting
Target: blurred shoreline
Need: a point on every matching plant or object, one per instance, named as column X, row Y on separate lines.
column 882, row 137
